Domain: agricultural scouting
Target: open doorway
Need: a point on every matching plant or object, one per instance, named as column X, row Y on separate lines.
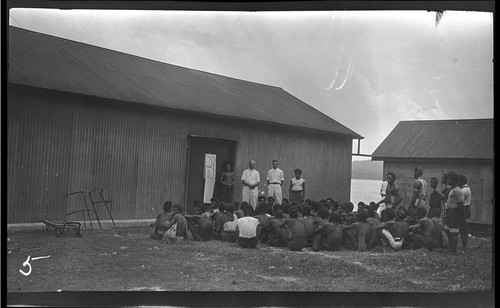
column 223, row 149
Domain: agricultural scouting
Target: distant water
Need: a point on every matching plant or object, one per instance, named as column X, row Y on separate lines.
column 365, row 190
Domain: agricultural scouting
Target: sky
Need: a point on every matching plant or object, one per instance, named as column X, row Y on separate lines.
column 367, row 70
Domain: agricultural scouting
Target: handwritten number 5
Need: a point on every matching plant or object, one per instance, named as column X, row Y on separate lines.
column 27, row 262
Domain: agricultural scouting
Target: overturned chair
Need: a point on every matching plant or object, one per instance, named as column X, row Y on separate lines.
column 65, row 225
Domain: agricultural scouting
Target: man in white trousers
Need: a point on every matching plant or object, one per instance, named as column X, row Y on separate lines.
column 250, row 180
column 275, row 183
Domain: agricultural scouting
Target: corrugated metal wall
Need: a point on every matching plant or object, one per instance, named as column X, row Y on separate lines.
column 479, row 177
column 60, row 143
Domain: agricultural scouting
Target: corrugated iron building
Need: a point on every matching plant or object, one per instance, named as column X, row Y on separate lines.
column 81, row 117
column 440, row 146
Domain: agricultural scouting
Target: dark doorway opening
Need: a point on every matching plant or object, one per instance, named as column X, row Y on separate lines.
column 199, row 146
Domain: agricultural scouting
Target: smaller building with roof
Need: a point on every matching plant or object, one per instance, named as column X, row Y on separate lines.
column 441, row 146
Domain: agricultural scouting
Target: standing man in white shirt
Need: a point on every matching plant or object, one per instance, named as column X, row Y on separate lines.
column 250, row 180
column 275, row 183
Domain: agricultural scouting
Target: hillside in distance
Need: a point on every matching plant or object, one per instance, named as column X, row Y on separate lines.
column 367, row 170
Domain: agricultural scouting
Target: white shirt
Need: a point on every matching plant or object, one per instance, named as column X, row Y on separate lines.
column 275, row 175
column 466, row 194
column 248, row 226
column 297, row 184
column 251, row 176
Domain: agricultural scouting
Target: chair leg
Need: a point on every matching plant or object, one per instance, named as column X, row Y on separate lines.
column 97, row 216
column 84, row 222
column 88, row 212
column 111, row 216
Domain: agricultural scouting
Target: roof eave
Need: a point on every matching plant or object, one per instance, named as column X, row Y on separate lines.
column 444, row 159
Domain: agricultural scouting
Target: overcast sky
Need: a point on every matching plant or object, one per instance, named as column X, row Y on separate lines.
column 366, row 69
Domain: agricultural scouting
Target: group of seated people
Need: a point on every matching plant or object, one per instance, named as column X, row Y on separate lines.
column 322, row 225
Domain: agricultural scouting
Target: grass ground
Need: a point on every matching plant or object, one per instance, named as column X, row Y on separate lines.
column 126, row 259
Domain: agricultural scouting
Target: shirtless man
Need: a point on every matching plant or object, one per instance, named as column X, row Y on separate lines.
column 162, row 221
column 328, row 235
column 275, row 229
column 309, row 224
column 390, row 230
column 199, row 225
column 393, row 196
column 227, row 183
column 295, row 232
column 360, row 232
column 423, row 233
column 263, row 219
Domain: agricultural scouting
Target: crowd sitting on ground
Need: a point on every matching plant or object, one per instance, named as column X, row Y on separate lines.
column 326, row 225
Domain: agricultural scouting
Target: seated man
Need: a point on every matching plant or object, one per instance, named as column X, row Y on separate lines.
column 309, row 224
column 238, row 207
column 351, row 218
column 374, row 207
column 230, row 228
column 263, row 219
column 423, row 233
column 322, row 218
column 177, row 227
column 359, row 233
column 275, row 228
column 229, row 221
column 373, row 221
column 261, row 199
column 404, row 226
column 328, row 234
column 162, row 220
column 295, row 232
column 390, row 231
column 270, row 200
column 248, row 229
column 199, row 225
column 441, row 235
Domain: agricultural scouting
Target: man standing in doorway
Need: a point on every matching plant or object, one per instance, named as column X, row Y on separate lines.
column 250, row 180
column 275, row 183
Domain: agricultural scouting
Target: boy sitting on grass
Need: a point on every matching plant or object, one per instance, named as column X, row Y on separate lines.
column 295, row 232
column 309, row 223
column 199, row 225
column 390, row 231
column 162, row 220
column 275, row 229
column 248, row 229
column 177, row 227
column 359, row 233
column 423, row 233
column 230, row 227
column 263, row 219
column 328, row 235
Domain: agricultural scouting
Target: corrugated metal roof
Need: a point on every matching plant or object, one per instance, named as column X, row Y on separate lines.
column 439, row 139
column 45, row 61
